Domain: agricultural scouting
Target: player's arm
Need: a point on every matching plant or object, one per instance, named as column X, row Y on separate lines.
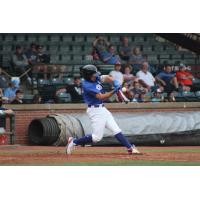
column 105, row 96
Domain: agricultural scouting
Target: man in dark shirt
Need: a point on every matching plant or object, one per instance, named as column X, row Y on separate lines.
column 75, row 90
column 3, row 80
column 31, row 54
column 42, row 56
column 18, row 98
column 125, row 50
column 3, row 112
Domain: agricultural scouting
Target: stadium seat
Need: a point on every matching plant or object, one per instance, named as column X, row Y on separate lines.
column 68, row 81
column 54, row 38
column 105, row 69
column 54, row 58
column 8, row 38
column 64, row 49
column 42, row 39
column 53, row 49
column 31, row 38
column 80, row 38
column 20, row 38
column 65, row 59
column 64, row 98
column 42, row 82
column 67, row 38
column 28, row 98
column 76, row 49
column 56, row 81
column 90, row 38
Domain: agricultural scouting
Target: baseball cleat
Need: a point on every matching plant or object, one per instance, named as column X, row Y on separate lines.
column 134, row 151
column 70, row 146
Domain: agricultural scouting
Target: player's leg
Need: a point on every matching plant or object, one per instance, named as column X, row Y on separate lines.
column 98, row 125
column 114, row 128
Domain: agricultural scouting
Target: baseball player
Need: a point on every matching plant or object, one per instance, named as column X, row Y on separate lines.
column 100, row 117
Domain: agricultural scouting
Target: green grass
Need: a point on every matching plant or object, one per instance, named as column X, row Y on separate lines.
column 123, row 163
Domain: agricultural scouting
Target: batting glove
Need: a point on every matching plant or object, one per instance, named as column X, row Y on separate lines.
column 116, row 83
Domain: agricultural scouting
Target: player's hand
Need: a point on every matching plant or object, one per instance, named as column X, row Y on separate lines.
column 116, row 89
column 116, row 84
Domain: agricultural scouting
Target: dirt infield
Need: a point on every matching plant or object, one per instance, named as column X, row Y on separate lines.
column 38, row 155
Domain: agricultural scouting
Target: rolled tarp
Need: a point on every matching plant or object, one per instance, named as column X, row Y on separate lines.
column 155, row 128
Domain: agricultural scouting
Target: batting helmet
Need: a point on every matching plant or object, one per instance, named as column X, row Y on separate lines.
column 87, row 71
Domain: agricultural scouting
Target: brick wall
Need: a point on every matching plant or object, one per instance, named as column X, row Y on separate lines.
column 26, row 113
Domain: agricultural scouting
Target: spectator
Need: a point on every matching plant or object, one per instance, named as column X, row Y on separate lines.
column 169, row 81
column 100, row 46
column 42, row 57
column 125, row 50
column 20, row 62
column 136, row 59
column 105, row 51
column 1, row 92
column 137, row 92
column 128, row 76
column 146, row 78
column 4, row 110
column 116, row 74
column 75, row 90
column 31, row 54
column 110, row 57
column 37, row 99
column 184, row 78
column 18, row 97
column 10, row 91
column 3, row 80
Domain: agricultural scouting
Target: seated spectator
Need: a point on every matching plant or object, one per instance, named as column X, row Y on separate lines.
column 37, row 99
column 116, row 74
column 136, row 59
column 125, row 50
column 10, row 91
column 19, row 95
column 100, row 46
column 3, row 80
column 146, row 78
column 184, row 78
column 4, row 110
column 42, row 57
column 128, row 76
column 1, row 92
column 20, row 62
column 105, row 51
column 169, row 81
column 31, row 54
column 110, row 57
column 75, row 90
column 137, row 92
